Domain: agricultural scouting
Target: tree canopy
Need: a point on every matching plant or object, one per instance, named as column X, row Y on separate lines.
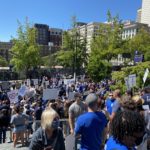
column 25, row 50
column 105, row 46
column 73, row 53
column 3, row 62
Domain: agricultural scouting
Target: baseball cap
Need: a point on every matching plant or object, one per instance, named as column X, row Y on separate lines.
column 91, row 99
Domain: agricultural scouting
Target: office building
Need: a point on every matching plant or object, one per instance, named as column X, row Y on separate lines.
column 92, row 32
column 131, row 28
column 4, row 50
column 56, row 37
column 139, row 15
column 42, row 34
column 145, row 15
column 49, row 39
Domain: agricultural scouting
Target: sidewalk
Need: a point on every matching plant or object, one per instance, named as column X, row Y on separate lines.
column 9, row 146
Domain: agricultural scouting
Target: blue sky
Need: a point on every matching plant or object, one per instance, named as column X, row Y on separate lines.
column 58, row 13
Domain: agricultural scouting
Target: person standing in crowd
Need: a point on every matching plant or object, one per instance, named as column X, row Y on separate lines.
column 37, row 115
column 4, row 123
column 146, row 96
column 109, row 103
column 146, row 114
column 128, row 95
column 127, row 131
column 75, row 110
column 91, row 125
column 49, row 136
column 18, row 122
column 117, row 104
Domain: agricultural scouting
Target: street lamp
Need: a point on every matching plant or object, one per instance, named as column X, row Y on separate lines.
column 50, row 44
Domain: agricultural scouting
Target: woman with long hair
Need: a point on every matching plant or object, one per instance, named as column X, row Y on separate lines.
column 49, row 136
column 127, row 130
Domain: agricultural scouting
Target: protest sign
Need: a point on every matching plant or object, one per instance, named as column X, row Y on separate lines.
column 70, row 142
column 5, row 85
column 145, row 75
column 132, row 80
column 50, row 94
column 69, row 81
column 22, row 91
column 35, row 81
column 13, row 96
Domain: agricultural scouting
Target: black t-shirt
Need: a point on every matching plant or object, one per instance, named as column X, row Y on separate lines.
column 146, row 98
column 38, row 113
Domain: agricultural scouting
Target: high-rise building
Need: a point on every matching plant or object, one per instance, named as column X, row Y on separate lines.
column 49, row 39
column 43, row 34
column 56, row 36
column 4, row 49
column 138, row 17
column 92, row 31
column 145, row 15
column 78, row 24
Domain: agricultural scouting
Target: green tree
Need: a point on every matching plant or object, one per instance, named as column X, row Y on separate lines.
column 49, row 61
column 73, row 53
column 105, row 46
column 139, row 70
column 98, row 69
column 141, row 42
column 3, row 62
column 25, row 50
column 108, row 43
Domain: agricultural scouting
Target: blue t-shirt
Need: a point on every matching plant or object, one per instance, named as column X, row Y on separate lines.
column 113, row 145
column 109, row 105
column 90, row 126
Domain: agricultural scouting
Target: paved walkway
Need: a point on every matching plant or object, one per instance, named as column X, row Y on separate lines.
column 9, row 146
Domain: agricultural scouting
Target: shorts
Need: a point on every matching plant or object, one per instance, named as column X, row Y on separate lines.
column 19, row 129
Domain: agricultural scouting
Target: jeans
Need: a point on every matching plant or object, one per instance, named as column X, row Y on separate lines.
column 2, row 134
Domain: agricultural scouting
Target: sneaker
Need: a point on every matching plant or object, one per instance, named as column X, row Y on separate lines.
column 10, row 141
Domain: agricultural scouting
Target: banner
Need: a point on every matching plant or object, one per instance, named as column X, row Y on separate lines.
column 50, row 94
column 13, row 96
column 69, row 81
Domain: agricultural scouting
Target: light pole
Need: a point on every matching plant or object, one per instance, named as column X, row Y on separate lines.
column 50, row 44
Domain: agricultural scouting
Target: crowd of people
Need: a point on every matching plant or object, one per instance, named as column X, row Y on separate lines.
column 100, row 118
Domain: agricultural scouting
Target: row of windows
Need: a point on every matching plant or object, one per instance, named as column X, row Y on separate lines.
column 130, row 31
column 57, row 33
column 124, row 36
